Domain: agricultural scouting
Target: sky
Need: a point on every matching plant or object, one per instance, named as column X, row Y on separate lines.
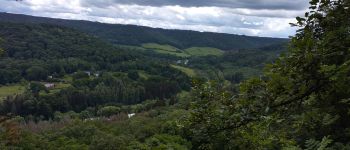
column 265, row 18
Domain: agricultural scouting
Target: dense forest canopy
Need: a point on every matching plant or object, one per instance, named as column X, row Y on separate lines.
column 94, row 72
column 75, row 89
column 301, row 102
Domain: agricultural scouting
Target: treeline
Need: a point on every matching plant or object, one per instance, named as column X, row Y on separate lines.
column 151, row 129
column 86, row 92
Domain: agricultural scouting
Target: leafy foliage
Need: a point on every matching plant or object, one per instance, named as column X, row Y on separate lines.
column 2, row 51
column 302, row 101
column 302, row 96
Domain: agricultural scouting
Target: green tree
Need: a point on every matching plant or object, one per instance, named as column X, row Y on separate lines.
column 108, row 111
column 36, row 73
column 133, row 75
column 235, row 78
column 303, row 95
column 310, row 84
column 108, row 142
column 36, row 87
column 165, row 141
column 80, row 75
column 2, row 51
column 9, row 76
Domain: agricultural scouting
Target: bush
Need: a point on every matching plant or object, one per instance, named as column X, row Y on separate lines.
column 108, row 111
column 36, row 73
column 133, row 75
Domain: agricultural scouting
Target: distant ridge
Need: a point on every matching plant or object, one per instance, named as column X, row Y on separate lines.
column 137, row 35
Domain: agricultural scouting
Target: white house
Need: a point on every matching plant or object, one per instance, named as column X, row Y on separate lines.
column 49, row 85
column 88, row 73
column 131, row 115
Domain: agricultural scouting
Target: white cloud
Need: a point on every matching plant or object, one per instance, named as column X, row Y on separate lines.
column 247, row 21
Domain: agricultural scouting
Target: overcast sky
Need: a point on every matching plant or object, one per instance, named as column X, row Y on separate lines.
column 269, row 18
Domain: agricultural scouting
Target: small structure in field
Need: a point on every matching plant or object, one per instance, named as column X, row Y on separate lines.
column 184, row 62
column 49, row 85
column 131, row 115
column 88, row 73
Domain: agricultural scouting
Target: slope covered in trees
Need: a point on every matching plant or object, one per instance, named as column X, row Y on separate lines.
column 301, row 101
column 138, row 35
column 87, row 71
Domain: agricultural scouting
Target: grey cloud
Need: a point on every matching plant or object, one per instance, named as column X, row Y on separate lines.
column 184, row 16
column 181, row 15
column 251, row 4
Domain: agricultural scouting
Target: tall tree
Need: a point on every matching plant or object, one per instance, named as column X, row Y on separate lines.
column 303, row 95
column 2, row 51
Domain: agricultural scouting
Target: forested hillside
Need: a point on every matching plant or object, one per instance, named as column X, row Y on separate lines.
column 138, row 35
column 86, row 71
column 63, row 88
column 52, row 72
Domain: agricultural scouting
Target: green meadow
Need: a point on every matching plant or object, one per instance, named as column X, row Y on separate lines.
column 203, row 51
column 10, row 90
column 188, row 71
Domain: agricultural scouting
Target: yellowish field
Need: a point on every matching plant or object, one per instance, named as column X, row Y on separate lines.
column 59, row 87
column 10, row 90
column 160, row 47
column 180, row 54
column 143, row 75
column 165, row 49
column 204, row 51
column 190, row 72
column 192, row 51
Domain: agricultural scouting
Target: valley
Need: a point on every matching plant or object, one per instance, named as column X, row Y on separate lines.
column 52, row 71
column 80, row 84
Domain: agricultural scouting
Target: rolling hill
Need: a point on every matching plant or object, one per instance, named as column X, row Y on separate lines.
column 138, row 35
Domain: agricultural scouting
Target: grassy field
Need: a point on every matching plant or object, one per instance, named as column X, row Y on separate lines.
column 129, row 47
column 203, row 51
column 179, row 54
column 10, row 90
column 248, row 72
column 165, row 49
column 58, row 87
column 143, row 75
column 190, row 72
column 160, row 47
column 171, row 50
